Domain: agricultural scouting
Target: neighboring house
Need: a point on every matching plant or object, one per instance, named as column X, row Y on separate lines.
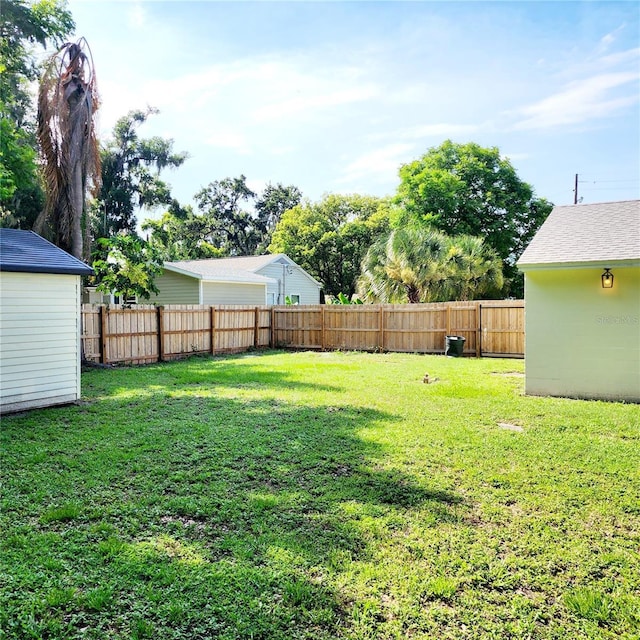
column 250, row 280
column 582, row 326
column 40, row 292
column 91, row 295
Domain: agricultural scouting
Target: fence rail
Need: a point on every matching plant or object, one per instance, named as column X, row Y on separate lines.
column 146, row 333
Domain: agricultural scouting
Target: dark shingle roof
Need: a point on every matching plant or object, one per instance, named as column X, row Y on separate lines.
column 586, row 233
column 27, row 252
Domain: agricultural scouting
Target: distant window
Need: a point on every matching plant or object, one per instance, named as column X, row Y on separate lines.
column 295, row 298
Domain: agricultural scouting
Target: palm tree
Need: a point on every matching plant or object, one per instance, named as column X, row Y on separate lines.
column 474, row 268
column 67, row 104
column 405, row 266
column 417, row 264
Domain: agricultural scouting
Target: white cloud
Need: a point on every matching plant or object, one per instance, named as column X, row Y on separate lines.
column 136, row 16
column 441, row 130
column 319, row 98
column 265, row 89
column 580, row 102
column 608, row 39
column 383, row 162
column 253, row 91
column 229, row 140
column 621, row 57
column 516, row 156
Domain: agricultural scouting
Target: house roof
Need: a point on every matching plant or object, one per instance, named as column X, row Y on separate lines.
column 236, row 269
column 27, row 252
column 579, row 235
column 213, row 271
column 247, row 263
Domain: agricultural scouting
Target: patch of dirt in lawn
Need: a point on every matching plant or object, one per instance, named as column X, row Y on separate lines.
column 186, row 522
column 508, row 374
column 510, row 427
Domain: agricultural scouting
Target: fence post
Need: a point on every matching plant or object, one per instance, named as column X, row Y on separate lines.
column 323, row 340
column 213, row 330
column 272, row 338
column 381, row 322
column 104, row 312
column 160, row 333
column 256, row 329
column 479, row 326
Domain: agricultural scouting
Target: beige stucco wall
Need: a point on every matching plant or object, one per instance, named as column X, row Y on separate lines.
column 582, row 340
column 39, row 340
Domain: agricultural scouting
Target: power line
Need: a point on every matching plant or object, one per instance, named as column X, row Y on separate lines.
column 620, row 181
column 607, row 181
column 608, row 188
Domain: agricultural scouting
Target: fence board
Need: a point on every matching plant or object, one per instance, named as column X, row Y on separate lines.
column 415, row 328
column 186, row 329
column 145, row 333
column 91, row 333
column 236, row 328
column 298, row 327
column 502, row 329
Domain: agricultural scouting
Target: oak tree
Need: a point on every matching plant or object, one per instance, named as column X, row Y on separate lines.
column 472, row 190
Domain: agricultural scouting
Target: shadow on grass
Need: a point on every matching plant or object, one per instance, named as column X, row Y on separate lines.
column 211, row 373
column 197, row 516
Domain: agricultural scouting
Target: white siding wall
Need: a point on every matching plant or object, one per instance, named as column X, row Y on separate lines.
column 176, row 289
column 297, row 283
column 39, row 340
column 582, row 340
column 233, row 293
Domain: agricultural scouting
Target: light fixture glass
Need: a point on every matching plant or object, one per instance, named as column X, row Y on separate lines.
column 607, row 279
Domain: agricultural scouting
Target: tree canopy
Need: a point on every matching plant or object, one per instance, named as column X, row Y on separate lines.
column 131, row 169
column 329, row 238
column 271, row 206
column 23, row 26
column 225, row 221
column 177, row 235
column 128, row 268
column 473, row 190
column 231, row 220
column 418, row 264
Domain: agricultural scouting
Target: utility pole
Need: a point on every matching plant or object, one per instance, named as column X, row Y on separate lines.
column 575, row 191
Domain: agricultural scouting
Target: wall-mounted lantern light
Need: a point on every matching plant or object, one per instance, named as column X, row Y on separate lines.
column 607, row 279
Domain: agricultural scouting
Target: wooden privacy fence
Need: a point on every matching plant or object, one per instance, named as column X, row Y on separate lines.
column 146, row 333
column 490, row 328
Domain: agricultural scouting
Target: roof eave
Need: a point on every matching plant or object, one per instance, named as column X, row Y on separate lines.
column 63, row 271
column 274, row 258
column 183, row 272
column 224, row 280
column 592, row 264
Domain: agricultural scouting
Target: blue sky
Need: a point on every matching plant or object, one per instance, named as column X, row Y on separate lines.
column 334, row 96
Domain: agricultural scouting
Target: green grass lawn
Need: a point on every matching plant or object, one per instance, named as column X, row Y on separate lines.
column 320, row 495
